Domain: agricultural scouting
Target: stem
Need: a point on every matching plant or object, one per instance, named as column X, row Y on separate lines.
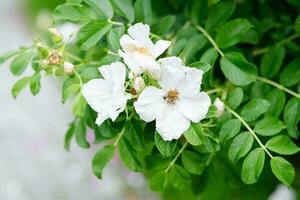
column 212, row 91
column 282, row 42
column 79, row 78
column 280, row 87
column 76, row 58
column 210, row 39
column 176, row 157
column 209, row 159
column 115, row 23
column 249, row 129
column 120, row 136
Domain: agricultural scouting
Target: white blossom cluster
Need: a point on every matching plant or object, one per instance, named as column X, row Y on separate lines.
column 173, row 102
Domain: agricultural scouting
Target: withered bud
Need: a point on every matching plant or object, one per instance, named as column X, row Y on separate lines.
column 54, row 58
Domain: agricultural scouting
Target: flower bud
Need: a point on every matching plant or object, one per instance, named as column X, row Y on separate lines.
column 54, row 59
column 220, row 106
column 68, row 68
column 155, row 73
column 56, row 35
column 139, row 84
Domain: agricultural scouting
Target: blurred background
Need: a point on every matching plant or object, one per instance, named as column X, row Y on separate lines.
column 33, row 163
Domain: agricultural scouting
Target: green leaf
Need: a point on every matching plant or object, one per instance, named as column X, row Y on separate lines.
column 177, row 47
column 297, row 24
column 240, row 146
column 101, row 159
column 272, row 61
column 193, row 45
column 291, row 116
column 166, row 148
column 179, row 177
column 103, row 5
column 192, row 134
column 9, row 55
column 254, row 108
column 129, row 156
column 114, row 37
column 71, row 86
column 197, row 11
column 19, row 86
column 91, row 33
column 253, row 166
column 21, row 62
column 159, row 182
column 282, row 144
column 232, row 32
column 209, row 56
column 276, row 98
column 237, row 69
column 283, row 170
column 205, row 67
column 68, row 137
column 291, row 74
column 164, row 25
column 80, row 134
column 35, row 83
column 218, row 14
column 235, row 97
column 79, row 106
column 132, row 133
column 229, row 129
column 143, row 11
column 72, row 12
column 269, row 126
column 124, row 8
column 193, row 163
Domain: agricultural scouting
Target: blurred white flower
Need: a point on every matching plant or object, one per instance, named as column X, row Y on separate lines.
column 57, row 36
column 139, row 84
column 178, row 102
column 220, row 106
column 139, row 52
column 107, row 96
column 68, row 68
column 69, row 32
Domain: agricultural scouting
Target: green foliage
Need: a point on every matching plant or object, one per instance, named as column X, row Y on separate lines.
column 283, row 170
column 101, row 159
column 253, row 166
column 249, row 53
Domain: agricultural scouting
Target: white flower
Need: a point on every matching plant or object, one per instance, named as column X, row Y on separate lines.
column 107, row 96
column 139, row 84
column 220, row 106
column 178, row 102
column 68, row 68
column 69, row 32
column 139, row 52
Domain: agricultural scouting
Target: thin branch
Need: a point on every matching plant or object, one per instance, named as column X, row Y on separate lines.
column 176, row 157
column 210, row 39
column 249, row 129
column 280, row 87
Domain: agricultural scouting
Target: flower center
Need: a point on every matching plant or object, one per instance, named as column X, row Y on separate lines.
column 171, row 96
column 142, row 50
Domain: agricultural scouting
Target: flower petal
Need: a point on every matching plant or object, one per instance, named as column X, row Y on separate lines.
column 171, row 72
column 147, row 63
column 160, row 47
column 195, row 107
column 97, row 93
column 115, row 72
column 141, row 32
column 172, row 124
column 149, row 103
column 128, row 44
column 191, row 83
